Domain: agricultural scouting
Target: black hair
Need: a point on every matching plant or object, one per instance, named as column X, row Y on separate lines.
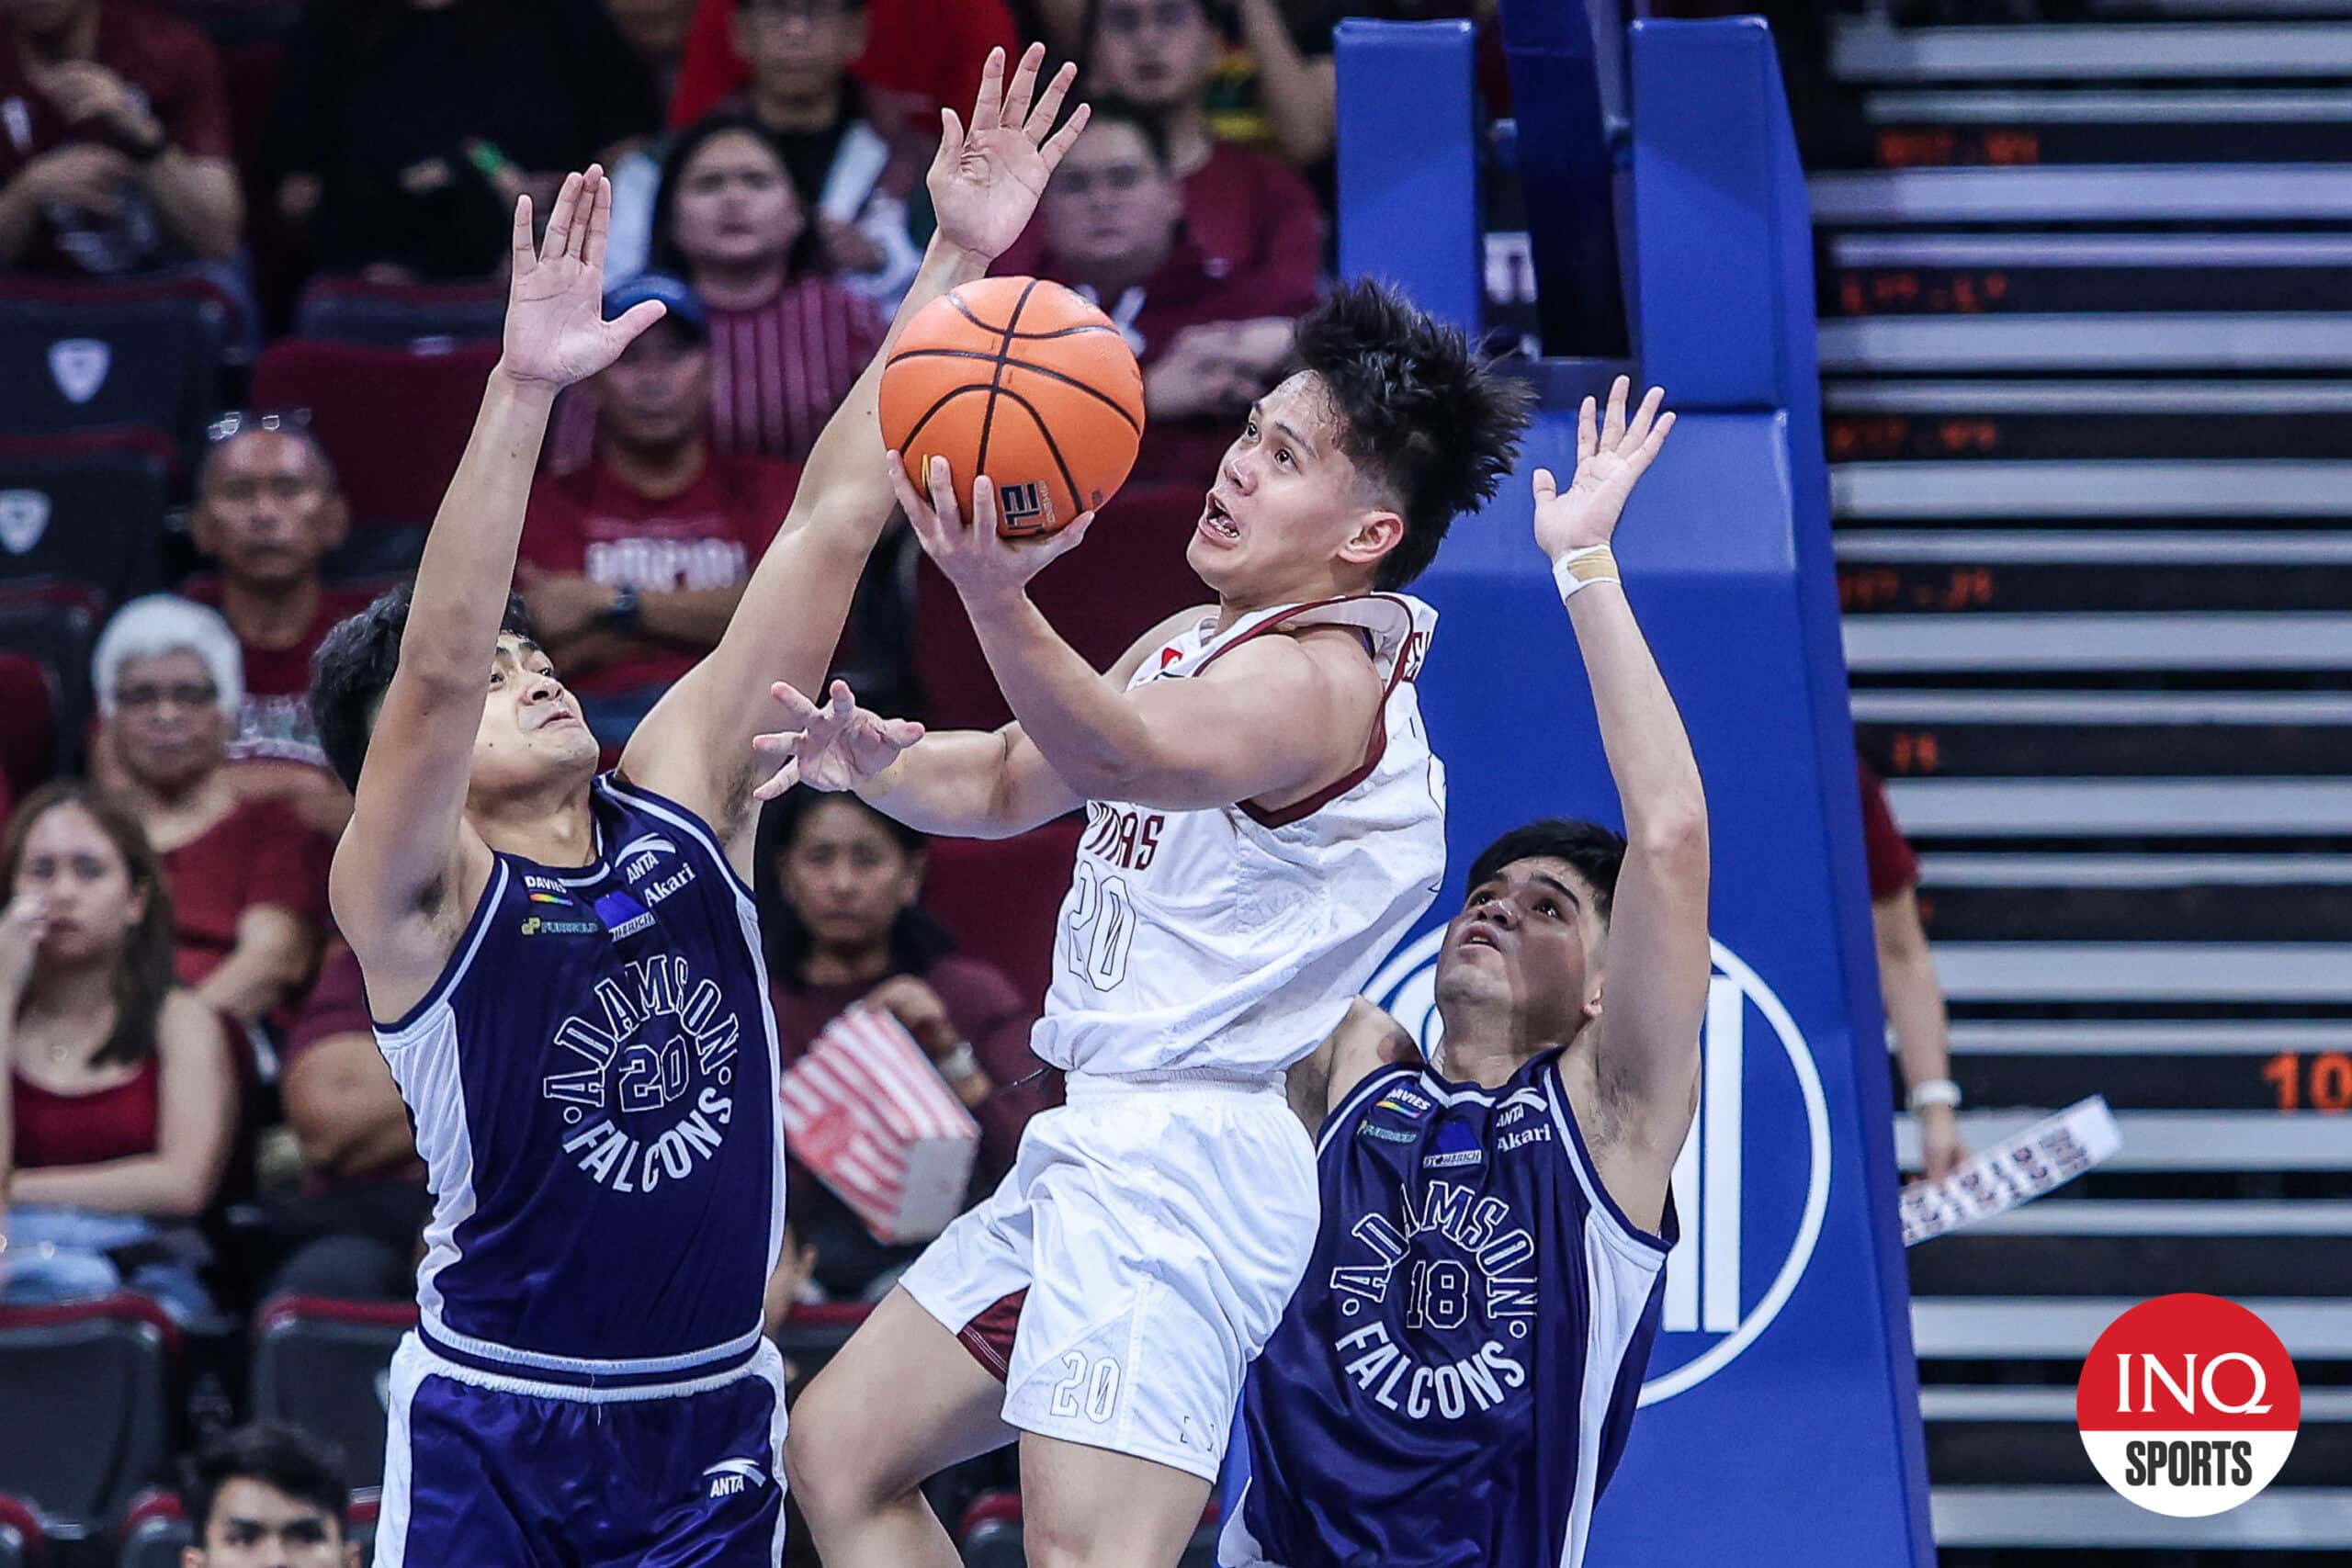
column 282, row 1457
column 1592, row 851
column 808, row 253
column 918, row 938
column 1431, row 426
column 1146, row 123
column 353, row 668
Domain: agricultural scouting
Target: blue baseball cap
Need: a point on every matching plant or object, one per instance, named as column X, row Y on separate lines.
column 685, row 308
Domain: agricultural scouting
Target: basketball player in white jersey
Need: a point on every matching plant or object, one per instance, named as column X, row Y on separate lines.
column 1264, row 821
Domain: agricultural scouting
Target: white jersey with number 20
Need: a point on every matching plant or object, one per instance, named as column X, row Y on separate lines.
column 1229, row 941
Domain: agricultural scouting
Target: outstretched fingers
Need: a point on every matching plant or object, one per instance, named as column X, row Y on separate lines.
column 525, row 254
column 1612, row 423
column 1545, row 486
column 1024, row 86
column 1049, row 103
column 1588, row 431
column 987, row 109
column 600, row 220
column 783, row 779
column 559, row 218
column 1637, row 429
column 1059, row 145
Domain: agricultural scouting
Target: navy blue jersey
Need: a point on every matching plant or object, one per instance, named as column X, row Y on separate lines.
column 1452, row 1383
column 594, row 1084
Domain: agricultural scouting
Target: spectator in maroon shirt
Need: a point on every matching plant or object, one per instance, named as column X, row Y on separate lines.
column 355, row 1224
column 248, row 880
column 1906, row 977
column 114, row 141
column 632, row 563
column 841, row 886
column 268, row 511
column 1248, row 210
column 1210, row 341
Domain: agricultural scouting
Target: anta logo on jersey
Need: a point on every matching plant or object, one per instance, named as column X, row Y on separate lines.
column 1751, row 1185
column 1454, row 1255
column 654, row 1040
column 1126, row 838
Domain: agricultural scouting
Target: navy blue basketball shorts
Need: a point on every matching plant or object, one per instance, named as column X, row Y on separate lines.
column 488, row 1471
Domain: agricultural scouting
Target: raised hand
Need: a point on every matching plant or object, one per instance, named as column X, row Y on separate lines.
column 556, row 331
column 1609, row 460
column 980, row 562
column 23, row 924
column 987, row 177
column 837, row 747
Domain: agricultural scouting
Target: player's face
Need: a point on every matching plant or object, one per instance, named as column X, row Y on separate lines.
column 1157, row 53
column 70, row 862
column 268, row 511
column 1288, row 518
column 735, row 205
column 656, row 396
column 531, row 734
column 847, row 877
column 1111, row 209
column 256, row 1525
column 167, row 726
column 1527, row 943
column 798, row 47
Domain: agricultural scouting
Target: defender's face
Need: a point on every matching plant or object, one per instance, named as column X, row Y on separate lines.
column 1287, row 517
column 531, row 731
column 1527, row 940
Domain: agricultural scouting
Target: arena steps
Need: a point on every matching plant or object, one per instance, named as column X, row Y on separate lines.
column 2086, row 349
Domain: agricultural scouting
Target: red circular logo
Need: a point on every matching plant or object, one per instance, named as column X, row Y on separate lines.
column 2188, row 1404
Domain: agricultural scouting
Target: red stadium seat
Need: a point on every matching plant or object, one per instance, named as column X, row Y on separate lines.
column 155, row 1528
column 88, row 1389
column 419, row 316
column 321, row 1365
column 78, row 355
column 53, row 626
column 1128, row 576
column 1000, row 897
column 23, row 1544
column 988, row 1536
column 395, row 423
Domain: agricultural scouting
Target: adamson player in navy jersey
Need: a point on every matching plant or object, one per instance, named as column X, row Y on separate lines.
column 564, row 968
column 1452, row 1383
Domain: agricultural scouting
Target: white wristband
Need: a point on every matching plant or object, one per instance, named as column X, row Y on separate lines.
column 1579, row 570
column 961, row 1064
column 1935, row 1091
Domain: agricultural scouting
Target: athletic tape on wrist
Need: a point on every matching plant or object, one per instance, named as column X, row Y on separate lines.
column 1579, row 570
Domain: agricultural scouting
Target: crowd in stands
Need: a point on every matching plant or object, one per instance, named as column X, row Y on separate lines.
column 253, row 246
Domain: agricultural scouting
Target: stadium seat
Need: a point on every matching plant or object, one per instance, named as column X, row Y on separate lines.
column 1128, row 576
column 395, row 422
column 321, row 1365
column 88, row 1388
column 812, row 1333
column 22, row 1542
column 79, row 356
column 52, row 625
column 154, row 1531
column 416, row 316
column 84, row 511
column 1000, row 897
column 990, row 1533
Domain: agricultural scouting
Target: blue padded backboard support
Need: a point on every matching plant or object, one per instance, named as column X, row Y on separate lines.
column 1566, row 91
column 1408, row 163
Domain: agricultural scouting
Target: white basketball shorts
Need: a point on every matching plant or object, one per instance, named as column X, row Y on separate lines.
column 1158, row 1230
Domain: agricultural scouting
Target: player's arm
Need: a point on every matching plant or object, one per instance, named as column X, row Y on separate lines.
column 1366, row 1041
column 695, row 746
column 1646, row 1058
column 1275, row 719
column 964, row 783
column 408, row 866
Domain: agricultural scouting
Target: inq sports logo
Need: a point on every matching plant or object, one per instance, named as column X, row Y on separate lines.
column 1716, row 1305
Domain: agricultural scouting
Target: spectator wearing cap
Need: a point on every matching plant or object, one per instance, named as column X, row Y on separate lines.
column 267, row 512
column 1249, row 212
column 247, row 878
column 269, row 1495
column 114, row 141
column 1209, row 340
column 632, row 562
column 853, row 175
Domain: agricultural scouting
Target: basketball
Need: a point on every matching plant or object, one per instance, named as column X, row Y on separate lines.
column 1023, row 381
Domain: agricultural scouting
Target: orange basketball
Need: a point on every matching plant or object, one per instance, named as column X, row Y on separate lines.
column 1023, row 381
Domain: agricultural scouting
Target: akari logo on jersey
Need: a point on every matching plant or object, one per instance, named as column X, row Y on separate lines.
column 2189, row 1406
column 1751, row 1186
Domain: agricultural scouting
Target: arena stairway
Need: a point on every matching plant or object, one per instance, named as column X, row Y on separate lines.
column 2086, row 351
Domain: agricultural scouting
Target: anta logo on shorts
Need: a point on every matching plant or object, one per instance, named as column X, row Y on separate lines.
column 731, row 1477
column 1455, row 1258
column 658, row 1055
